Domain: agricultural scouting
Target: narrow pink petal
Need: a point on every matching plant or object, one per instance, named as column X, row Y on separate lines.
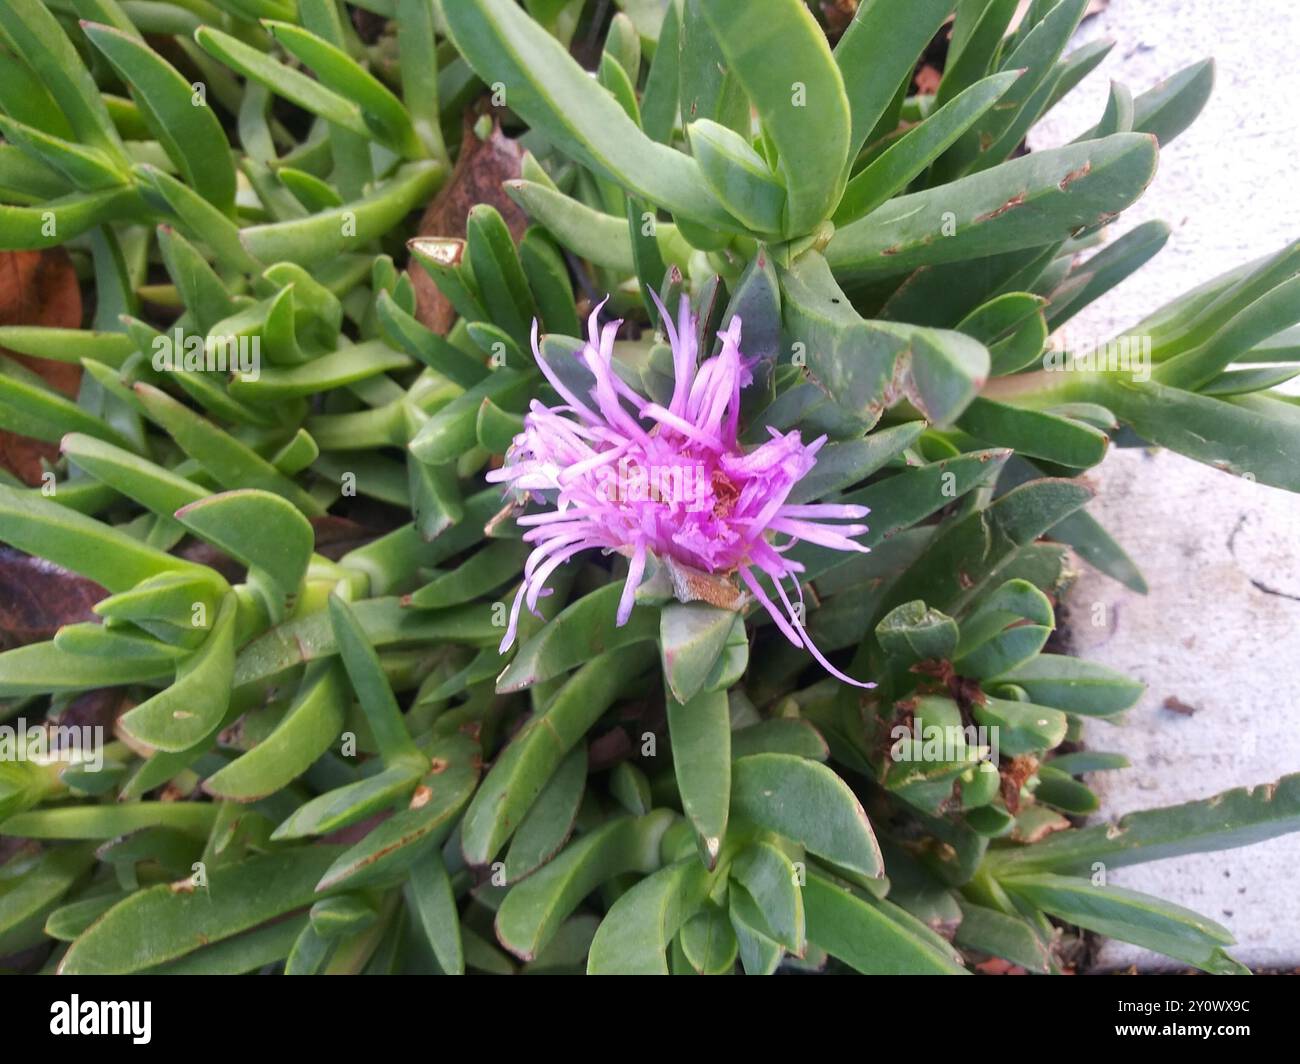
column 635, row 569
column 782, row 622
column 821, row 535
column 577, row 404
column 829, row 510
column 812, row 649
column 513, row 626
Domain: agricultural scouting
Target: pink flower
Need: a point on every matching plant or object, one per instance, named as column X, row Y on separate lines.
column 629, row 475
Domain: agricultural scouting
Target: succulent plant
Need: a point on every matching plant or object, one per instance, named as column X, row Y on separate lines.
column 335, row 746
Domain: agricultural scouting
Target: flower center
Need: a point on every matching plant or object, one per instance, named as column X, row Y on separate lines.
column 725, row 494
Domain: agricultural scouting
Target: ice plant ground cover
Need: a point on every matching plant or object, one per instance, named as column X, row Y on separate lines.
column 450, row 640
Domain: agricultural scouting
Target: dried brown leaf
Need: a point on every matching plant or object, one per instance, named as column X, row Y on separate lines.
column 38, row 288
column 481, row 169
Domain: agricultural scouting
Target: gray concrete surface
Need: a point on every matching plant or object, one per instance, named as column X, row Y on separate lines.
column 1220, row 630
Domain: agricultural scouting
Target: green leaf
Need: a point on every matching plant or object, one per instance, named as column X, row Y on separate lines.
column 402, row 330
column 161, row 924
column 1133, row 917
column 700, row 730
column 1027, row 202
column 1246, row 381
column 263, row 531
column 1090, row 540
column 759, row 955
column 780, row 56
column 1233, row 818
column 240, row 954
column 452, row 431
column 1022, row 727
column 283, row 80
column 167, row 103
column 1082, row 761
column 435, row 907
column 899, row 502
column 67, row 216
column 110, row 821
column 68, row 921
column 659, row 100
column 692, row 636
column 1076, row 686
column 895, row 168
column 97, row 551
column 948, row 575
column 878, row 52
column 497, row 273
column 1009, row 605
column 30, row 407
column 872, row 937
column 738, row 176
column 383, row 113
column 1166, row 109
column 533, row 910
column 914, row 632
column 1000, row 935
column 771, row 882
column 1001, row 131
column 1060, row 792
column 326, row 234
column 231, row 463
column 389, row 850
column 489, row 568
column 634, row 936
column 384, row 620
column 861, row 364
column 707, row 86
column 977, row 38
column 522, row 770
column 779, row 736
column 67, row 345
column 548, row 277
column 309, row 727
column 40, row 42
column 176, row 718
column 1012, row 326
column 548, row 824
column 844, row 464
column 153, row 487
column 347, row 365
column 554, row 96
column 600, row 238
column 707, row 942
column 418, row 60
column 1273, row 312
column 372, row 687
column 1104, row 270
column 347, row 804
column 41, row 885
column 1035, row 433
column 89, row 169
column 579, row 632
column 808, row 803
column 333, row 918
column 44, row 668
